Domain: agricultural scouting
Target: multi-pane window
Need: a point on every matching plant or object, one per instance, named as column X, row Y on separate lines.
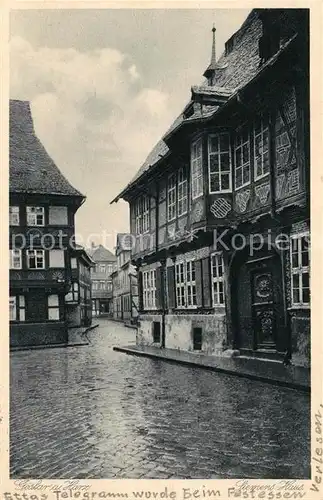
column 102, row 285
column 182, row 192
column 300, row 269
column 35, row 216
column 242, row 158
column 219, row 163
column 190, row 284
column 102, row 268
column 196, row 169
column 171, row 197
column 138, row 214
column 180, row 284
column 17, row 308
column 15, row 259
column 36, row 259
column 217, row 279
column 145, row 214
column 261, row 148
column 14, row 216
column 177, row 194
column 185, row 284
column 142, row 215
column 13, row 308
column 94, row 285
column 53, row 307
column 73, row 294
column 149, row 289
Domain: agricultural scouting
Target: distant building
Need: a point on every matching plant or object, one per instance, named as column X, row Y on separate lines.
column 41, row 217
column 220, row 210
column 78, row 298
column 105, row 264
column 124, row 282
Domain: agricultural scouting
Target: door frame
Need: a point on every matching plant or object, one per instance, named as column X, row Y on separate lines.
column 239, row 258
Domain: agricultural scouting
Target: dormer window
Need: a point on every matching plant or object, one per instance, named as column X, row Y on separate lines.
column 219, row 160
column 269, row 43
column 242, row 158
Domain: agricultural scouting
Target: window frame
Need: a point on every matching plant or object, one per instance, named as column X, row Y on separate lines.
column 138, row 216
column 217, row 279
column 171, row 192
column 12, row 258
column 184, row 287
column 182, row 189
column 145, row 214
column 239, row 133
column 53, row 307
column 28, row 258
column 12, row 213
column 19, row 308
column 142, row 214
column 30, row 213
column 197, row 175
column 300, row 269
column 219, row 153
column 263, row 129
column 149, row 289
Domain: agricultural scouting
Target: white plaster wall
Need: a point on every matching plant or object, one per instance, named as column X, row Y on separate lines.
column 179, row 332
column 145, row 331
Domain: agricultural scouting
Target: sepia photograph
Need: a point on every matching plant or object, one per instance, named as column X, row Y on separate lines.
column 159, row 244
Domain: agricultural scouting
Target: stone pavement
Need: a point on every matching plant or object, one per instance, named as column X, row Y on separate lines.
column 263, row 370
column 91, row 412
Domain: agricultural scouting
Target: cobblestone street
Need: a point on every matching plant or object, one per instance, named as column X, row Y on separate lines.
column 90, row 412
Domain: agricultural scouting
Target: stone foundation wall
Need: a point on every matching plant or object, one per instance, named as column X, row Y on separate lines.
column 145, row 330
column 300, row 324
column 179, row 331
column 31, row 334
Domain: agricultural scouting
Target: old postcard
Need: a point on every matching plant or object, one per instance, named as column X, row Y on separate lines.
column 162, row 313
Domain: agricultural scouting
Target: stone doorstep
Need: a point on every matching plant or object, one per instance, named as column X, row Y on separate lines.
column 273, row 372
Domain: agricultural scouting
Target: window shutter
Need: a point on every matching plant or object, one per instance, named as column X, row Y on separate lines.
column 198, row 283
column 140, row 291
column 171, row 287
column 207, row 302
column 159, row 288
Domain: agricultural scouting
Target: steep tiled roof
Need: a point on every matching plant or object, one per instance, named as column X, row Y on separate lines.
column 235, row 68
column 101, row 254
column 85, row 254
column 31, row 168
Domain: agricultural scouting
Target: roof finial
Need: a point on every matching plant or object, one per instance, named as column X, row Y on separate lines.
column 213, row 57
column 209, row 72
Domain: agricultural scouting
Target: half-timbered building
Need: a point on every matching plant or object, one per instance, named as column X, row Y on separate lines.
column 220, row 209
column 42, row 207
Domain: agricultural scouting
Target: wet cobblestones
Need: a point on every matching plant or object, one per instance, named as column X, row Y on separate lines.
column 91, row 412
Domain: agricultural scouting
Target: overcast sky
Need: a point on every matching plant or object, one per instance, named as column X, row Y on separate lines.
column 104, row 86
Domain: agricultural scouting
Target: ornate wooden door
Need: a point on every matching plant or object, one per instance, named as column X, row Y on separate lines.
column 263, row 308
column 260, row 311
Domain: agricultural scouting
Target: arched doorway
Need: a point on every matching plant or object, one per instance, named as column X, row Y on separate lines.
column 258, row 317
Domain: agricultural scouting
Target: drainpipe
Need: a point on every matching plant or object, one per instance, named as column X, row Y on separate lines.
column 162, row 279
